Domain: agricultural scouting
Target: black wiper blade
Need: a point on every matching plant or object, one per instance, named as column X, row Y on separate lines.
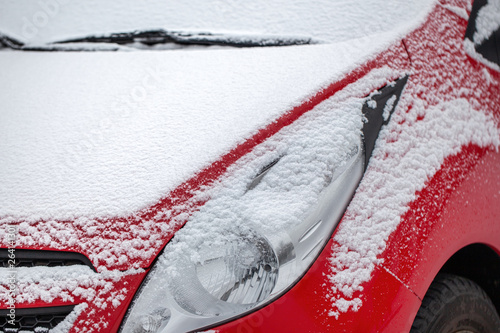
column 153, row 37
column 10, row 42
column 14, row 44
column 149, row 38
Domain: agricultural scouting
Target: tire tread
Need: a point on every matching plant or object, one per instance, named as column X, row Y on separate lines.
column 443, row 289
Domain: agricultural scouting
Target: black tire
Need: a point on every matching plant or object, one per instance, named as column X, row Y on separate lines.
column 454, row 304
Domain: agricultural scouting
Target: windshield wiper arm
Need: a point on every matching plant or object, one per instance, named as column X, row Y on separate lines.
column 10, row 42
column 160, row 36
column 14, row 44
column 148, row 38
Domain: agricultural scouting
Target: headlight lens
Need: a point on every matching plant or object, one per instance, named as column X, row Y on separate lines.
column 227, row 279
column 222, row 263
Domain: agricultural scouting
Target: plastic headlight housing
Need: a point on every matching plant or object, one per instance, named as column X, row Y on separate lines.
column 244, row 269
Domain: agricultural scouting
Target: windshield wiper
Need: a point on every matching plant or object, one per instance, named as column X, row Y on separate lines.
column 9, row 42
column 154, row 38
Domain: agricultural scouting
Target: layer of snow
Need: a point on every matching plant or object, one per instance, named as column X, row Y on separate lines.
column 377, row 207
column 462, row 12
column 68, row 322
column 64, row 283
column 68, row 284
column 409, row 152
column 329, row 20
column 106, row 134
column 309, row 151
column 446, row 104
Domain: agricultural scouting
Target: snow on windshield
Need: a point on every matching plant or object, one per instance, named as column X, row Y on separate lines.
column 327, row 20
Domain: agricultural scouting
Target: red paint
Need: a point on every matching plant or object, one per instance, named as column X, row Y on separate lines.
column 459, row 206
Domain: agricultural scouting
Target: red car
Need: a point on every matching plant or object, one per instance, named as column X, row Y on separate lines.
column 341, row 178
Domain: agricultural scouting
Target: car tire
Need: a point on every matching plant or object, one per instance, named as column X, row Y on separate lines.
column 454, row 304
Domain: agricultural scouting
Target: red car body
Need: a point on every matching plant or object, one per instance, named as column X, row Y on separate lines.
column 453, row 224
column 457, row 209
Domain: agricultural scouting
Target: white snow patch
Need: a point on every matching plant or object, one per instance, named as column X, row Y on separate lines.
column 370, row 101
column 344, row 305
column 462, row 12
column 48, row 283
column 487, row 76
column 389, row 106
column 372, row 104
column 68, row 322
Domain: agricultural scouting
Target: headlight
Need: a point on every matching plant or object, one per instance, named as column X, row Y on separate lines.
column 227, row 279
column 251, row 243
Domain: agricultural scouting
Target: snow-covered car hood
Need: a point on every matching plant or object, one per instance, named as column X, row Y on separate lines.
column 107, row 134
column 87, row 137
column 93, row 143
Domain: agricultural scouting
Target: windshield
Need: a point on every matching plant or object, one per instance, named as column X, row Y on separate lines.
column 247, row 23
